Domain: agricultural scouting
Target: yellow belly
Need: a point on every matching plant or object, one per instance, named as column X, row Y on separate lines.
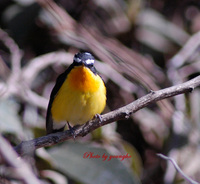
column 81, row 96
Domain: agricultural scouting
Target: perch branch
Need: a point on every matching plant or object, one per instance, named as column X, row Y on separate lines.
column 27, row 147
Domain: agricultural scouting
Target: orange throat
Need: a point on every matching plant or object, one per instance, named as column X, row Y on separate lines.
column 83, row 79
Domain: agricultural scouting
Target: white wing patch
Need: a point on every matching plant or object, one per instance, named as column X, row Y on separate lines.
column 76, row 59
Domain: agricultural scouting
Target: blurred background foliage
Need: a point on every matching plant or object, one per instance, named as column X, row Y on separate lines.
column 137, row 44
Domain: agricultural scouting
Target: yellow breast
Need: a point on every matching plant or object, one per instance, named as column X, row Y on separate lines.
column 82, row 95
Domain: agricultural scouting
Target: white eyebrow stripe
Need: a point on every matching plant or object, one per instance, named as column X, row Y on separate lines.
column 77, row 59
column 89, row 61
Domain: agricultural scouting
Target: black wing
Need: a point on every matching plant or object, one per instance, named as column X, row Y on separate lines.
column 60, row 80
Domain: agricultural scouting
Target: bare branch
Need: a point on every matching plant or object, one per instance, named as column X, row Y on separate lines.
column 15, row 52
column 31, row 70
column 187, row 51
column 178, row 168
column 21, row 168
column 125, row 112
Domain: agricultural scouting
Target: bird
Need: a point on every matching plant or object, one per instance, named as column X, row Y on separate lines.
column 78, row 96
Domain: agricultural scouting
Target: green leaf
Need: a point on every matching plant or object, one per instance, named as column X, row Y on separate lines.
column 69, row 158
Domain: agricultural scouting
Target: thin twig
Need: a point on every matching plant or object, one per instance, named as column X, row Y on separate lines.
column 178, row 168
column 187, row 51
column 21, row 168
column 36, row 65
column 125, row 112
column 15, row 52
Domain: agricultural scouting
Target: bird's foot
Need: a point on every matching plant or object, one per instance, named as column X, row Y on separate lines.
column 72, row 130
column 98, row 116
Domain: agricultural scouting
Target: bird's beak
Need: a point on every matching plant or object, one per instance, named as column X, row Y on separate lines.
column 83, row 63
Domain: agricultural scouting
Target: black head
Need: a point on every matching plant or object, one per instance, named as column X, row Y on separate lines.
column 86, row 59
